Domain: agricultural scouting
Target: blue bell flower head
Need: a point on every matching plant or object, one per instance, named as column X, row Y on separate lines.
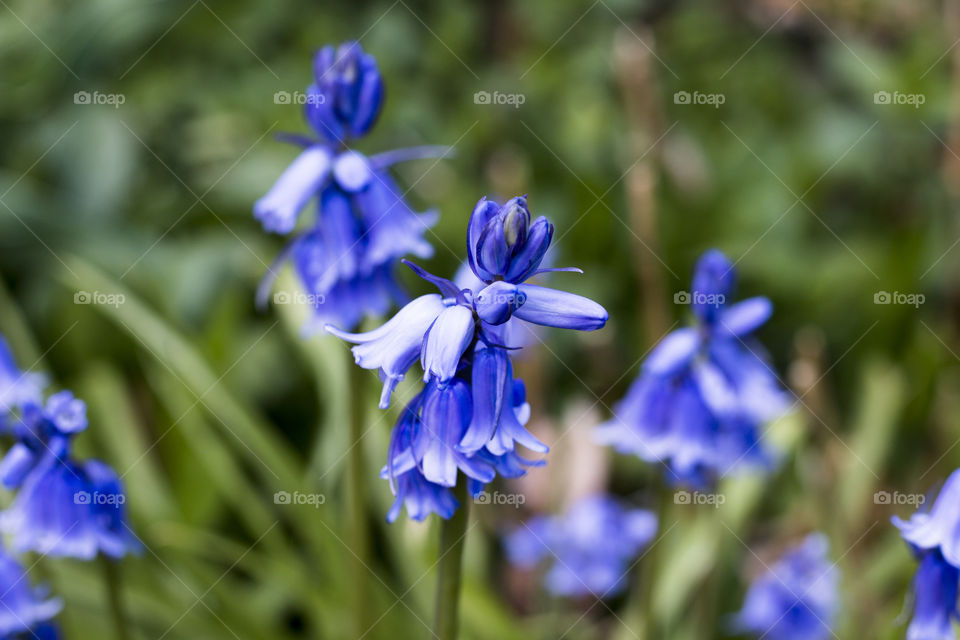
column 347, row 94
column 346, row 256
column 934, row 599
column 939, row 526
column 23, row 609
column 704, row 393
column 16, row 387
column 502, row 243
column 68, row 509
column 588, row 550
column 796, row 599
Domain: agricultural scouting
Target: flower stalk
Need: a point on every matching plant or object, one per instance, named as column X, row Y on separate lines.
column 453, row 534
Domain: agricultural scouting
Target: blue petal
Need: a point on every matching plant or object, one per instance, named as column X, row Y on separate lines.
column 66, row 413
column 497, row 301
column 713, row 281
column 673, row 353
column 525, row 262
column 369, row 97
column 393, row 229
column 394, row 346
column 935, row 599
column 16, row 464
column 746, row 316
column 277, row 211
column 447, row 288
column 342, row 233
column 553, row 308
column 483, row 212
column 493, row 254
column 940, row 527
column 352, row 171
column 445, row 341
column 21, row 606
column 446, row 414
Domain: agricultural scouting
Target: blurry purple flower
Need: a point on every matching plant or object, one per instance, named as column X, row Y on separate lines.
column 589, row 550
column 704, row 392
column 24, row 610
column 796, row 598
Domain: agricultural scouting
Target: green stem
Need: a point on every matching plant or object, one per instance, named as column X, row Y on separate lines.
column 453, row 533
column 357, row 499
column 111, row 576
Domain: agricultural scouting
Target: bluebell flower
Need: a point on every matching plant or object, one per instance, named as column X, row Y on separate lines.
column 933, row 534
column 470, row 415
column 24, row 610
column 345, row 257
column 705, row 392
column 62, row 507
column 589, row 550
column 796, row 598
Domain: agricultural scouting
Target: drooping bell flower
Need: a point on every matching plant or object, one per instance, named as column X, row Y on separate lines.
column 25, row 611
column 796, row 598
column 345, row 257
column 470, row 415
column 588, row 550
column 62, row 507
column 705, row 392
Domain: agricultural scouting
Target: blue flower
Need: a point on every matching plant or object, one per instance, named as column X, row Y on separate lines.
column 62, row 507
column 16, row 387
column 796, row 598
column 345, row 257
column 590, row 549
column 704, row 392
column 23, row 609
column 938, row 527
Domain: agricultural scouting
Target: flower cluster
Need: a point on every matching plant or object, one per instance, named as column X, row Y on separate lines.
column 471, row 412
column 705, row 391
column 345, row 259
column 590, row 547
column 796, row 598
column 934, row 537
column 62, row 507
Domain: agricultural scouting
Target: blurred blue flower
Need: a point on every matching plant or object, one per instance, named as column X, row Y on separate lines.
column 590, row 549
column 345, row 258
column 62, row 507
column 24, row 610
column 704, row 392
column 796, row 598
column 939, row 526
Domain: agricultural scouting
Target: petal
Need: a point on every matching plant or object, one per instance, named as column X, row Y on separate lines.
column 493, row 254
column 447, row 288
column 525, row 262
column 277, row 211
column 483, row 212
column 445, row 341
column 16, row 464
column 553, row 308
column 495, row 302
column 394, row 346
column 746, row 316
column 490, row 375
column 393, row 229
column 445, row 416
column 352, row 171
column 673, row 353
column 369, row 96
column 341, row 232
column 713, row 281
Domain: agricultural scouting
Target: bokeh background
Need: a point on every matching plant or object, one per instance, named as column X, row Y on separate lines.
column 825, row 192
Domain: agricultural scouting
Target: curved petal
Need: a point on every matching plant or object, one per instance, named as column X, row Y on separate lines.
column 352, row 171
column 394, row 346
column 369, row 96
column 495, row 302
column 713, row 281
column 746, row 316
column 277, row 211
column 673, row 353
column 483, row 212
column 553, row 308
column 526, row 261
column 445, row 341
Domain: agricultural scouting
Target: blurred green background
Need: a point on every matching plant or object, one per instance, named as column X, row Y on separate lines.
column 824, row 192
